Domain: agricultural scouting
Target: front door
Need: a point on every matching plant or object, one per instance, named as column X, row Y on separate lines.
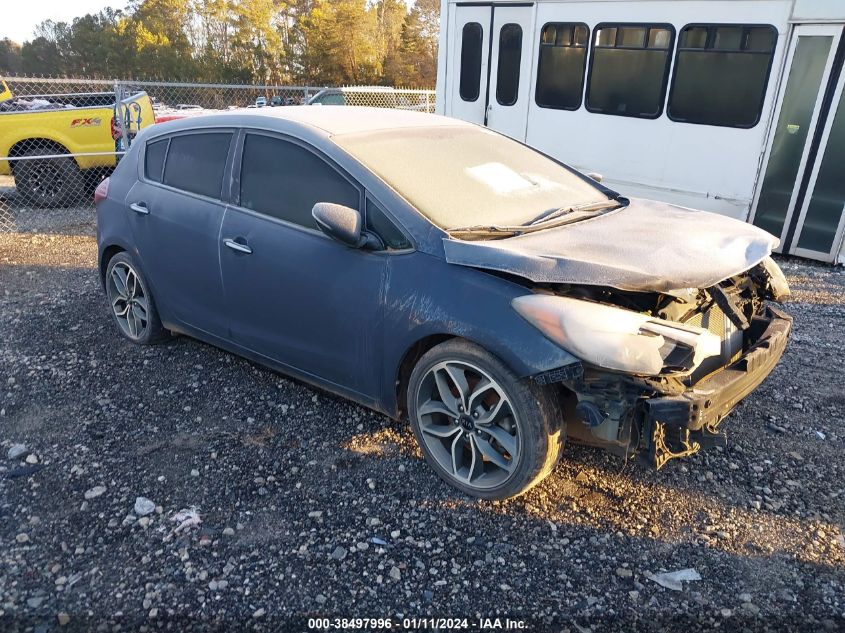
column 491, row 55
column 294, row 295
column 801, row 196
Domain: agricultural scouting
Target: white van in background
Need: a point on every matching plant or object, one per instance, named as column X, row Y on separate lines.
column 732, row 106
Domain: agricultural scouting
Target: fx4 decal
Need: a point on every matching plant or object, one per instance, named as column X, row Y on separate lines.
column 92, row 122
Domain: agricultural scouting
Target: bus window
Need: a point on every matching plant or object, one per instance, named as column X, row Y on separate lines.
column 471, row 39
column 560, row 69
column 507, row 71
column 721, row 74
column 629, row 69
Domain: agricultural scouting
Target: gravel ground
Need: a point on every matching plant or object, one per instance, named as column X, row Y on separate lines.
column 312, row 506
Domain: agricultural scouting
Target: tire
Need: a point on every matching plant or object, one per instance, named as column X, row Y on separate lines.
column 131, row 302
column 48, row 182
column 512, row 426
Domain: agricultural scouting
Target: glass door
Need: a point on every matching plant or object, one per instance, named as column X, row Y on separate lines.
column 820, row 224
column 810, row 61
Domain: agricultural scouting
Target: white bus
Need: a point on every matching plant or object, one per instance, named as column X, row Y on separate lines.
column 732, row 106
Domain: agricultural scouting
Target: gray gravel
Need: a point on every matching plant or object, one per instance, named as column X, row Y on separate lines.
column 310, row 505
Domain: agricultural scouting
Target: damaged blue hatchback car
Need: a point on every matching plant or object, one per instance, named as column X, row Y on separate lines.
column 428, row 267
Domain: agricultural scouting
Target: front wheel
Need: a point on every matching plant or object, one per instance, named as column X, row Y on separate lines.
column 483, row 430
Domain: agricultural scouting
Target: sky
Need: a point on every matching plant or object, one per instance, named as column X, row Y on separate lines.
column 19, row 23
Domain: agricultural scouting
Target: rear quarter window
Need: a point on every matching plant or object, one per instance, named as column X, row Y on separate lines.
column 196, row 162
column 154, row 160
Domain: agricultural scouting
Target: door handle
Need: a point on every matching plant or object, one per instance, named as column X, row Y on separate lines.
column 140, row 208
column 237, row 246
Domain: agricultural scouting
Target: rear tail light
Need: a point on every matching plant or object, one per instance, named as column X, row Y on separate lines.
column 101, row 192
column 115, row 130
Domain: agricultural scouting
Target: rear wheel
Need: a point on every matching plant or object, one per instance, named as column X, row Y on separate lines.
column 47, row 182
column 132, row 305
column 483, row 430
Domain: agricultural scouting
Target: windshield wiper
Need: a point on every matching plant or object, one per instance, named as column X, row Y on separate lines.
column 538, row 224
column 582, row 208
column 488, row 230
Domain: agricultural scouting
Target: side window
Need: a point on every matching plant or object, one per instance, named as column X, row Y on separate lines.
column 629, row 68
column 333, row 98
column 154, row 159
column 560, row 69
column 195, row 162
column 507, row 69
column 378, row 223
column 284, row 180
column 721, row 73
column 471, row 39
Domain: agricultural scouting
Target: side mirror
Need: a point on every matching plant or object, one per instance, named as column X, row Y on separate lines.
column 595, row 176
column 344, row 225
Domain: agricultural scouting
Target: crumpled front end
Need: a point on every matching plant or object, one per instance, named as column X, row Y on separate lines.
column 674, row 422
column 680, row 408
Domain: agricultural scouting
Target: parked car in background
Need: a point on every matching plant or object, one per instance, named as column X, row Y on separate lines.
column 328, row 96
column 276, row 101
column 426, row 266
column 261, row 102
column 52, row 125
column 376, row 97
column 172, row 114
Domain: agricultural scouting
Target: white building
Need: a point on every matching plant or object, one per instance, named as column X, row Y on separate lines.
column 733, row 106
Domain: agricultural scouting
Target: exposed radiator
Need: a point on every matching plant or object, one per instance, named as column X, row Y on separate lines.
column 715, row 321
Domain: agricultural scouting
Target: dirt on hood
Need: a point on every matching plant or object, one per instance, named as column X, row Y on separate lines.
column 645, row 246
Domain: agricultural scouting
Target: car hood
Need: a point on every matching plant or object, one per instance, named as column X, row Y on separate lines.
column 644, row 246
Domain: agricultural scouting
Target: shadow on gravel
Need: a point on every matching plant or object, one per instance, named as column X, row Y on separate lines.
column 625, row 504
column 74, row 220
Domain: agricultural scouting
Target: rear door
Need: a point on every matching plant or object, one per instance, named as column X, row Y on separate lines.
column 176, row 211
column 491, row 65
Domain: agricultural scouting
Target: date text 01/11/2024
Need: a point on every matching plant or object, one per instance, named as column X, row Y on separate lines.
column 416, row 624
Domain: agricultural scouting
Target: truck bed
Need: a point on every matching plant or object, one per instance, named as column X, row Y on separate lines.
column 31, row 103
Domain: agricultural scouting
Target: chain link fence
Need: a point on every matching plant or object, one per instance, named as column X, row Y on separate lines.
column 59, row 137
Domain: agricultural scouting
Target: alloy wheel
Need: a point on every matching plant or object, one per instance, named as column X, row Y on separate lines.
column 468, row 424
column 128, row 300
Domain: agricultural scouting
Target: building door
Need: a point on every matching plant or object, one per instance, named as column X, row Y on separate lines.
column 491, row 58
column 801, row 196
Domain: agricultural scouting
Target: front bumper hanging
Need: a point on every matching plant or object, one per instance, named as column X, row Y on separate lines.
column 679, row 425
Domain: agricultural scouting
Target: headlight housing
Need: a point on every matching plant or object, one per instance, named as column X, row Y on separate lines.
column 618, row 339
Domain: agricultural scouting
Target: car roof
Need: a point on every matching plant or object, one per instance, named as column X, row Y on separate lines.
column 330, row 120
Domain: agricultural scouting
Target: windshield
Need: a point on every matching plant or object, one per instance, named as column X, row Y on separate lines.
column 464, row 176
